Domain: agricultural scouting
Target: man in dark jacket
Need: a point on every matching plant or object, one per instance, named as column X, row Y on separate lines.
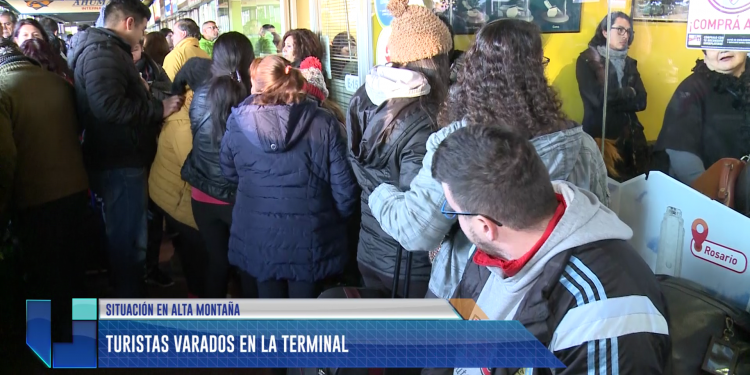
column 550, row 256
column 121, row 121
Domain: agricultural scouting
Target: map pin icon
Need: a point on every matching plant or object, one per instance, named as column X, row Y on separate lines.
column 699, row 237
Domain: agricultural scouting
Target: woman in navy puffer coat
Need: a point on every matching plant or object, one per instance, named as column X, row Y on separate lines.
column 295, row 185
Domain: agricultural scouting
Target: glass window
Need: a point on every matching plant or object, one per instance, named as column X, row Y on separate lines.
column 339, row 38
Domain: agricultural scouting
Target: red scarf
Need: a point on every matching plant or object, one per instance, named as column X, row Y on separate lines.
column 512, row 267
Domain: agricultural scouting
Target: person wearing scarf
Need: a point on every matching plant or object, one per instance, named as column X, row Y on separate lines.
column 626, row 149
column 707, row 119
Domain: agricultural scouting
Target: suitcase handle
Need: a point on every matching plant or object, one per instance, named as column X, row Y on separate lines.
column 397, row 273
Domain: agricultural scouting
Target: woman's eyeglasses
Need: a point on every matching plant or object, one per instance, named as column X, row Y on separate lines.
column 621, row 31
column 450, row 214
column 545, row 61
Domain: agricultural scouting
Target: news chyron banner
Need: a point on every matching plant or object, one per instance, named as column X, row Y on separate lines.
column 291, row 333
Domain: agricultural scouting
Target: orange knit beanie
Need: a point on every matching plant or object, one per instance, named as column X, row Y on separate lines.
column 416, row 34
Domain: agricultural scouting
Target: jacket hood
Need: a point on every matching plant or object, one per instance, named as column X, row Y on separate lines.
column 94, row 35
column 385, row 82
column 277, row 128
column 585, row 220
column 560, row 150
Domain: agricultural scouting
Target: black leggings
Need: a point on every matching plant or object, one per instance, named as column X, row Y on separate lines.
column 214, row 221
column 189, row 246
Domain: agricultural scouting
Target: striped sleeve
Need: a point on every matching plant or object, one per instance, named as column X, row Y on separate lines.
column 604, row 335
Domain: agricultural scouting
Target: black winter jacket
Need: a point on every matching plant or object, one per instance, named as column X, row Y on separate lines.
column 622, row 102
column 202, row 169
column 395, row 161
column 120, row 117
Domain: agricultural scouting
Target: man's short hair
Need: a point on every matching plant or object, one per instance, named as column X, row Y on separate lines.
column 207, row 22
column 11, row 15
column 118, row 10
column 165, row 31
column 494, row 172
column 268, row 26
column 188, row 26
column 49, row 25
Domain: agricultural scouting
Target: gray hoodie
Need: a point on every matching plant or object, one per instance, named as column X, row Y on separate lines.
column 585, row 220
column 414, row 219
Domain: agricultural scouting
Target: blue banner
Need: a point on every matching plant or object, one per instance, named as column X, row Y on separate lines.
column 300, row 343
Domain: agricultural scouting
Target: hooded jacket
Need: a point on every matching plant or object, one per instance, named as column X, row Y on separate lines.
column 586, row 295
column 120, row 117
column 388, row 126
column 295, row 191
column 415, row 220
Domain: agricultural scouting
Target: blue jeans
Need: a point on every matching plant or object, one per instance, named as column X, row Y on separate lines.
column 125, row 195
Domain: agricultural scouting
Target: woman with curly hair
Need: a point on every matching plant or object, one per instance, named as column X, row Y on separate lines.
column 501, row 84
column 298, row 44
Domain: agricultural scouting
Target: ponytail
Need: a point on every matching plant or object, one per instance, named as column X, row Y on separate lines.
column 276, row 82
column 224, row 92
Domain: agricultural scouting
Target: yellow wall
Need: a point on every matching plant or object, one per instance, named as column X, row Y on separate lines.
column 303, row 14
column 659, row 47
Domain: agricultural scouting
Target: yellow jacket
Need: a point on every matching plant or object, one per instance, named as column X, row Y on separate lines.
column 182, row 52
column 165, row 185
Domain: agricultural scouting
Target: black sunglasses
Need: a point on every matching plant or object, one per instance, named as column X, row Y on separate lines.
column 449, row 214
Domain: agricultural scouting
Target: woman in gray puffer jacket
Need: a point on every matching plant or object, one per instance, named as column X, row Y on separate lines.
column 505, row 67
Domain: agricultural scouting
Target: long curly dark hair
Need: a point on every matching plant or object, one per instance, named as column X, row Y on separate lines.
column 306, row 44
column 503, row 82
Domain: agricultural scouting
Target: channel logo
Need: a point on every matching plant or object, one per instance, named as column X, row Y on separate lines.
column 81, row 353
column 712, row 252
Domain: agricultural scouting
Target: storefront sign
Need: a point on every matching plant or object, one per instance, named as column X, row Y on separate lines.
column 719, row 24
column 156, row 12
column 168, row 8
column 381, row 10
column 57, row 6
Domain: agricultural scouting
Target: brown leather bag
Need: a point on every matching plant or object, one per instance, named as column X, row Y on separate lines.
column 718, row 182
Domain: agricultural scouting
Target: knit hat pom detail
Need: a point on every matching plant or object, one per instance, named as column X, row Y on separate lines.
column 398, row 7
column 311, row 62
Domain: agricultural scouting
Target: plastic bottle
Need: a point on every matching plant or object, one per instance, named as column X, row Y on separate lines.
column 671, row 243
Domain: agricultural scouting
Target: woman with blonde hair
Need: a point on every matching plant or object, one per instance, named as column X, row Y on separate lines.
column 295, row 187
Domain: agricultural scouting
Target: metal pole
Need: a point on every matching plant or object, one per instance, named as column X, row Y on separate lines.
column 606, row 75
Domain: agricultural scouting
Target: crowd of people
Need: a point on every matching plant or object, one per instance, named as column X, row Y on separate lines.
column 468, row 163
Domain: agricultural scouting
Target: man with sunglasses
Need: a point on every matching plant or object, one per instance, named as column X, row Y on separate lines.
column 551, row 256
